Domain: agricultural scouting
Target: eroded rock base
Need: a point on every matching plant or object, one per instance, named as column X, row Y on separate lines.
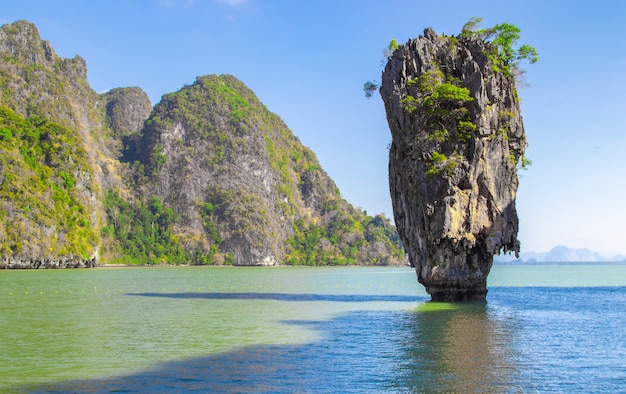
column 457, row 295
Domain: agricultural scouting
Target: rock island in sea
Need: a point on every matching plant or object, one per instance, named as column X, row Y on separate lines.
column 457, row 143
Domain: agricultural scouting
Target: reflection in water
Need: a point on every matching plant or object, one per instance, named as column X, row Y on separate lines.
column 286, row 297
column 457, row 348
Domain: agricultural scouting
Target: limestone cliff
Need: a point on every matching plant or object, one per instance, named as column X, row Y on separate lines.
column 457, row 138
column 126, row 111
column 207, row 176
column 244, row 188
column 50, row 178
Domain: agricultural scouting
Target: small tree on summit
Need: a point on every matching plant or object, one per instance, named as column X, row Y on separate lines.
column 503, row 36
column 504, row 56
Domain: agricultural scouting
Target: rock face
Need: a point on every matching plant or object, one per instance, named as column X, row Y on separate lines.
column 207, row 176
column 48, row 263
column 127, row 109
column 202, row 149
column 457, row 138
column 50, row 179
column 242, row 185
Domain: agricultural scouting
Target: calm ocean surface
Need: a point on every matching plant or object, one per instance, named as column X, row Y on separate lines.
column 183, row 329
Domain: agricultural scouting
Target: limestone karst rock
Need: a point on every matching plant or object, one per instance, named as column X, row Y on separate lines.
column 127, row 109
column 244, row 187
column 457, row 140
column 59, row 153
column 207, row 176
column 50, row 179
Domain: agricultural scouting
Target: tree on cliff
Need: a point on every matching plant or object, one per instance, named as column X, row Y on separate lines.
column 504, row 56
column 503, row 38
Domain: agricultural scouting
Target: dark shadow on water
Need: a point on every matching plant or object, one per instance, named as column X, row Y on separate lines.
column 356, row 353
column 287, row 297
column 360, row 351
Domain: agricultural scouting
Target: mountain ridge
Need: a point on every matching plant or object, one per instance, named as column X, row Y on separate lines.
column 208, row 175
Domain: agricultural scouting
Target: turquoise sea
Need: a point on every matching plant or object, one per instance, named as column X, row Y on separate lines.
column 544, row 328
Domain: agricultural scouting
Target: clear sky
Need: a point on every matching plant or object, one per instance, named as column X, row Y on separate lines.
column 307, row 61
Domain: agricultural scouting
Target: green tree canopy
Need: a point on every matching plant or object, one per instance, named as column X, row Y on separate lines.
column 503, row 38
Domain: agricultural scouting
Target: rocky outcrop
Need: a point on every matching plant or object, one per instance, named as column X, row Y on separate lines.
column 201, row 150
column 457, row 138
column 50, row 179
column 126, row 109
column 51, row 199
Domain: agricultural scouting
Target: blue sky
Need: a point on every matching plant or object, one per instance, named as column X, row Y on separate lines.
column 307, row 62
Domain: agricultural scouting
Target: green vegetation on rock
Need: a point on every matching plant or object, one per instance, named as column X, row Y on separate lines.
column 368, row 241
column 144, row 231
column 42, row 211
column 502, row 37
column 267, row 199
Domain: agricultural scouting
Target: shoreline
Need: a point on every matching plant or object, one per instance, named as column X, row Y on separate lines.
column 88, row 264
column 113, row 265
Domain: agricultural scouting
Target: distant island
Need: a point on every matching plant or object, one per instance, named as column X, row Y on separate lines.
column 560, row 254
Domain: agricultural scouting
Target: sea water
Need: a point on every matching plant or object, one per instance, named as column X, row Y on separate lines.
column 182, row 329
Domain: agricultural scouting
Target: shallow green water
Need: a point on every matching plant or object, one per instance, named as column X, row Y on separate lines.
column 69, row 324
column 112, row 328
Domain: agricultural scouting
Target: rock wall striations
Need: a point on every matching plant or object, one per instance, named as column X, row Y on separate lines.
column 457, row 140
